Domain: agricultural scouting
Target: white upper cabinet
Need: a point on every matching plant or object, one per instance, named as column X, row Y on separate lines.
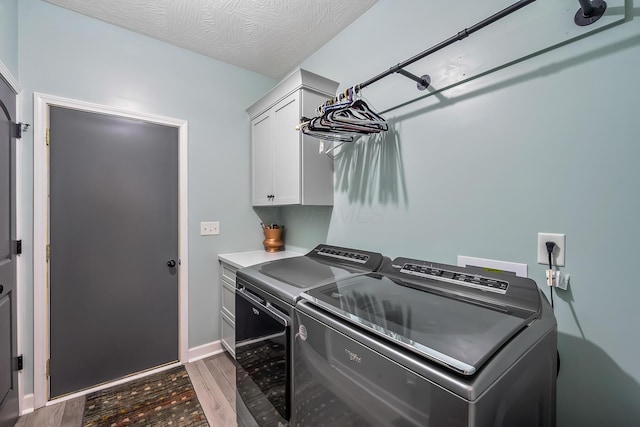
column 287, row 167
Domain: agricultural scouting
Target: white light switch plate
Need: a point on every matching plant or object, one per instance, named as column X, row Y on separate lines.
column 209, row 228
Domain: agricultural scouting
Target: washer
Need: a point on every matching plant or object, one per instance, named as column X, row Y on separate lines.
column 265, row 298
column 425, row 344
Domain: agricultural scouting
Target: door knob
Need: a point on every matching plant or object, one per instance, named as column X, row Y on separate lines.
column 1, row 289
column 171, row 263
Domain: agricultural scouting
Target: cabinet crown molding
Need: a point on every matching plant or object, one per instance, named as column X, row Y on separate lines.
column 297, row 79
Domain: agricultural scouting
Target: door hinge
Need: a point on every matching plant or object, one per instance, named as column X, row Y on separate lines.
column 48, row 368
column 18, row 247
column 48, row 137
column 48, row 252
column 18, row 128
column 19, row 363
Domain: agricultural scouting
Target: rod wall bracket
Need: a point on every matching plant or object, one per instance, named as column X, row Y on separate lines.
column 422, row 82
column 426, row 81
column 589, row 12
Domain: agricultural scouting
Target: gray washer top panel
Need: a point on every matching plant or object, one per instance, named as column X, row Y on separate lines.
column 287, row 278
column 452, row 331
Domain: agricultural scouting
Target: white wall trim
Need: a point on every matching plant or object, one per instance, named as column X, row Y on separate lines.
column 40, row 312
column 20, row 286
column 205, row 350
column 183, row 238
column 6, row 75
column 27, row 404
column 41, row 103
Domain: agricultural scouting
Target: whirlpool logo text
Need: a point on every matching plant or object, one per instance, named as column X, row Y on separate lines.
column 353, row 356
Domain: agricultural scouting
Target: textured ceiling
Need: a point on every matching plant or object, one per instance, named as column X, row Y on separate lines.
column 270, row 37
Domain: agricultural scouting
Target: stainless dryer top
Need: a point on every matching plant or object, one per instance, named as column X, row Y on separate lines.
column 287, row 278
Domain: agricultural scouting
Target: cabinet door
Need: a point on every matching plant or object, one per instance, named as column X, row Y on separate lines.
column 228, row 337
column 262, row 155
column 287, row 169
column 228, row 293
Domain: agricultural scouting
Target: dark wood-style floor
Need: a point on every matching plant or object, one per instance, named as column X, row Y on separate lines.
column 214, row 380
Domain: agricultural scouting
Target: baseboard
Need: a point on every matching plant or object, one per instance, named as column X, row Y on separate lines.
column 27, row 404
column 205, row 350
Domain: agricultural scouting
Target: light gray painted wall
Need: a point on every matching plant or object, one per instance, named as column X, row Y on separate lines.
column 66, row 54
column 9, row 35
column 549, row 145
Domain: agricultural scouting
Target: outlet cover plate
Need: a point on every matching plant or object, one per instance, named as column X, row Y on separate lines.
column 558, row 252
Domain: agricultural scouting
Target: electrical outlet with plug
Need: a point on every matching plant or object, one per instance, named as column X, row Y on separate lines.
column 558, row 250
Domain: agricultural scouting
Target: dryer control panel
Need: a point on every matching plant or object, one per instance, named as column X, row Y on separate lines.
column 465, row 279
column 371, row 261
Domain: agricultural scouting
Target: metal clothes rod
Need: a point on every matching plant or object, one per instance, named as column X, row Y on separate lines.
column 461, row 35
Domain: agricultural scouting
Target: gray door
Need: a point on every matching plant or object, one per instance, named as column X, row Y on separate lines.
column 8, row 307
column 114, row 238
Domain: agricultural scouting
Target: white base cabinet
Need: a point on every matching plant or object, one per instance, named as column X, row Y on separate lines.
column 287, row 166
column 228, row 309
column 229, row 265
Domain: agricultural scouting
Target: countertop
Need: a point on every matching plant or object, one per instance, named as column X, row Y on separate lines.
column 245, row 259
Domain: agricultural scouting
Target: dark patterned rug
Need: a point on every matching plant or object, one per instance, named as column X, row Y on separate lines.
column 163, row 399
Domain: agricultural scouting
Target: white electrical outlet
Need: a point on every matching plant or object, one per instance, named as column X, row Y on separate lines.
column 558, row 251
column 209, row 228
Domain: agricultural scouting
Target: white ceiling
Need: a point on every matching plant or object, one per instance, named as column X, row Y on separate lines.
column 270, row 37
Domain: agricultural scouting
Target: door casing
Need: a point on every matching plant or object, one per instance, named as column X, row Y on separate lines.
column 13, row 84
column 41, row 104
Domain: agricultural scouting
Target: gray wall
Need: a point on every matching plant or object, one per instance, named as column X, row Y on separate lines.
column 548, row 145
column 9, row 35
column 66, row 54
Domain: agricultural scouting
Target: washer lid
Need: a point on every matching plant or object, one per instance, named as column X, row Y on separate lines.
column 287, row 278
column 304, row 272
column 458, row 332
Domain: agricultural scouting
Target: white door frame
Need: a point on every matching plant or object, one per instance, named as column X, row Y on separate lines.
column 13, row 84
column 41, row 104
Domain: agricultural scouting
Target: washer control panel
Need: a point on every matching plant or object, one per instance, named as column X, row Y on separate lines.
column 464, row 279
